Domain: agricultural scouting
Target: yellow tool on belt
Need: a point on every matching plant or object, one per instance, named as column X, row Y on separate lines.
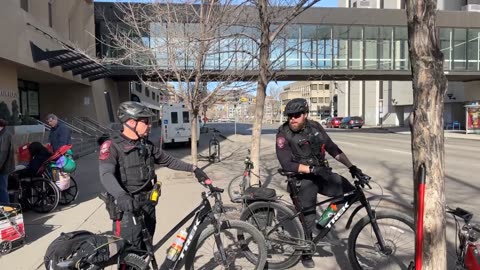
column 156, row 192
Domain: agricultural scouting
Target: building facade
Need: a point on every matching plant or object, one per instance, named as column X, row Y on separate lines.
column 320, row 96
column 391, row 102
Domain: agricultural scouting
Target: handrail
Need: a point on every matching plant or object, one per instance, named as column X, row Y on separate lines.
column 74, row 128
column 86, row 125
column 96, row 123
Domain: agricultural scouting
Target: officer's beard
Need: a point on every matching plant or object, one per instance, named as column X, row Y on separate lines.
column 297, row 126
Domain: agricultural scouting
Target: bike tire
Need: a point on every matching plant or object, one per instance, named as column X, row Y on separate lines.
column 235, row 188
column 243, row 228
column 134, row 262
column 400, row 231
column 294, row 227
column 46, row 193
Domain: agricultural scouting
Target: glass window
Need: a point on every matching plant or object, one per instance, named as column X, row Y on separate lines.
column 324, row 47
column 138, row 87
column 293, row 49
column 385, row 48
column 356, row 47
column 50, row 23
column 314, row 86
column 472, row 49
column 320, row 100
column 327, row 99
column 371, row 47
column 340, row 46
column 174, row 117
column 446, row 46
column 147, row 92
column 24, row 4
column 401, row 48
column 313, row 100
column 309, row 46
column 459, row 48
column 186, row 117
column 327, row 86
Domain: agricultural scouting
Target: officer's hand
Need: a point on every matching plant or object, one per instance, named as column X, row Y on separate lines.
column 201, row 175
column 125, row 203
column 320, row 171
column 356, row 172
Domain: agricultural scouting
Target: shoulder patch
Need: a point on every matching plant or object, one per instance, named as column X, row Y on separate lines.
column 105, row 150
column 281, row 142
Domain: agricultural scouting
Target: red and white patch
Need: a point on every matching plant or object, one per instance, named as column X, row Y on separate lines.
column 281, row 142
column 105, row 150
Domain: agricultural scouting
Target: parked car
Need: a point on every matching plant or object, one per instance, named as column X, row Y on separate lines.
column 351, row 122
column 334, row 122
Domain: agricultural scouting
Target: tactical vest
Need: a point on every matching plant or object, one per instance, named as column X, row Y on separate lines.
column 306, row 144
column 136, row 165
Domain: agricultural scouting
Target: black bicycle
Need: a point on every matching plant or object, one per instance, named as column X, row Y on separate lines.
column 380, row 240
column 214, row 148
column 237, row 186
column 210, row 243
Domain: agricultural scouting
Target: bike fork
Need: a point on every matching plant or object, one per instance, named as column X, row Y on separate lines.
column 221, row 250
column 376, row 229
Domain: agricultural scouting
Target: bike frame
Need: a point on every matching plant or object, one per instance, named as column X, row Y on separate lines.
column 348, row 199
column 200, row 213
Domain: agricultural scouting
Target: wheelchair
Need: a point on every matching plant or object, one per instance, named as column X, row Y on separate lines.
column 49, row 187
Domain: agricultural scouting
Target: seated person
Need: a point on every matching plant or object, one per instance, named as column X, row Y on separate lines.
column 38, row 155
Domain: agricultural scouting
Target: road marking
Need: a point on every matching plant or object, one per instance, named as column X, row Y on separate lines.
column 397, row 151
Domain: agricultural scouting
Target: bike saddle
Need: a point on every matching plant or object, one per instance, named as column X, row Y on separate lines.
column 287, row 173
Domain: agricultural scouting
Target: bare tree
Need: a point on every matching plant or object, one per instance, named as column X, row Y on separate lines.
column 271, row 20
column 190, row 43
column 426, row 123
column 274, row 93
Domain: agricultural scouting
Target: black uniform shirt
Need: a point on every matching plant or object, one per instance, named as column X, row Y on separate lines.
column 285, row 151
column 109, row 164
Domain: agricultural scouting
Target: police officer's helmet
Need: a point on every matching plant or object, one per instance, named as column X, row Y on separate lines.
column 133, row 110
column 296, row 105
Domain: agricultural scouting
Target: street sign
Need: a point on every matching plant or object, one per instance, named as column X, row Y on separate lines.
column 243, row 99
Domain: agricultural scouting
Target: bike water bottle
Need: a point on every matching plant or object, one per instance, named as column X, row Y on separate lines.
column 327, row 215
column 174, row 250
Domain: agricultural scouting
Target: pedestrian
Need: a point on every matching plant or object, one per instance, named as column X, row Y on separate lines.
column 60, row 134
column 7, row 163
column 300, row 146
column 127, row 172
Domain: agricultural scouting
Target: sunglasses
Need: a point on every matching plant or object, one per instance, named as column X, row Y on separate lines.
column 295, row 115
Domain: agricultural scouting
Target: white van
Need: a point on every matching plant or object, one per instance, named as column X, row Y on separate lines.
column 175, row 125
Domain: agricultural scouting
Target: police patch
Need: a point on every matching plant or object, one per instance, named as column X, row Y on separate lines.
column 105, row 150
column 281, row 142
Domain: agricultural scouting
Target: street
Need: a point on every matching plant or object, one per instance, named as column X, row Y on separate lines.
column 384, row 156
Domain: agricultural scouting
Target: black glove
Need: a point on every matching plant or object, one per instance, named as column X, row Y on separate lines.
column 356, row 172
column 200, row 175
column 125, row 203
column 320, row 171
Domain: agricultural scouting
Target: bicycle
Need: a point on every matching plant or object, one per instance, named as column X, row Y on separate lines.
column 206, row 226
column 284, row 229
column 236, row 187
column 468, row 249
column 214, row 147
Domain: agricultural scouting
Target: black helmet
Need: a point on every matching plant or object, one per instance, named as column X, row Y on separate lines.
column 296, row 105
column 133, row 110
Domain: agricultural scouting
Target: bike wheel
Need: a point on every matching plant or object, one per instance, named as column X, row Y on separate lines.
column 398, row 233
column 42, row 195
column 236, row 188
column 282, row 243
column 69, row 195
column 134, row 262
column 236, row 237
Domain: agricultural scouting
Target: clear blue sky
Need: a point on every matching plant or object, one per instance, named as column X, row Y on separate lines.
column 323, row 3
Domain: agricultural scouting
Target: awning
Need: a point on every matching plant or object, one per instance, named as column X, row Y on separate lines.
column 70, row 59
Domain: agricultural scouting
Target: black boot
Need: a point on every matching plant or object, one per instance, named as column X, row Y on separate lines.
column 307, row 261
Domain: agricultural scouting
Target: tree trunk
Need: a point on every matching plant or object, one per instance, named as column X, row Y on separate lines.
column 264, row 62
column 194, row 148
column 429, row 87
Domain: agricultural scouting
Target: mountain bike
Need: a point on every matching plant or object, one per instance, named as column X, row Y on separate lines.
column 380, row 240
column 210, row 243
column 237, row 186
column 468, row 248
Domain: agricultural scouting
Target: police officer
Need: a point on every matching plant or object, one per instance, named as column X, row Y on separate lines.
column 127, row 171
column 300, row 145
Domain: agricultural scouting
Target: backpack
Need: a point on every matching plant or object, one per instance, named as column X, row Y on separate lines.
column 81, row 246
